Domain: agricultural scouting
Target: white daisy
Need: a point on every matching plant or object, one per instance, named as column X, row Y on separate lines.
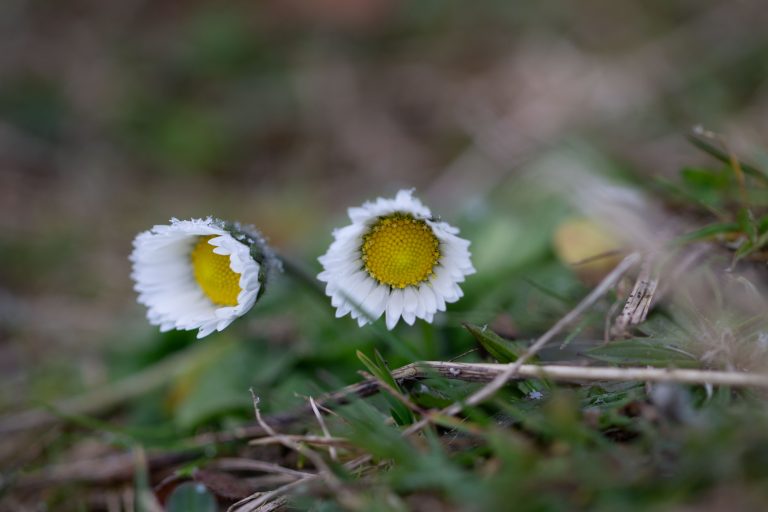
column 394, row 258
column 199, row 273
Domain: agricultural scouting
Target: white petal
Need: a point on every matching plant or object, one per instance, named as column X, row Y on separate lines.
column 206, row 330
column 394, row 308
column 377, row 301
column 441, row 282
column 410, row 300
column 163, row 277
column 427, row 295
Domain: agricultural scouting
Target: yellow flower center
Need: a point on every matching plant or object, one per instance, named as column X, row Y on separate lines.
column 400, row 251
column 219, row 282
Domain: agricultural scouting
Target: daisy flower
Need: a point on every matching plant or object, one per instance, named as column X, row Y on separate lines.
column 394, row 258
column 199, row 273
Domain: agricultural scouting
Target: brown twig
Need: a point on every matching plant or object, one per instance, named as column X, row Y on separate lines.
column 484, row 372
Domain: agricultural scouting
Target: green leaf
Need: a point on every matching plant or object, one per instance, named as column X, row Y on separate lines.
column 762, row 241
column 218, row 387
column 762, row 224
column 708, row 186
column 709, row 231
column 430, row 398
column 378, row 369
column 679, row 193
column 364, row 425
column 191, row 497
column 400, row 413
column 744, row 250
column 709, row 148
column 643, row 351
column 699, row 177
column 757, row 241
column 747, row 223
column 659, row 326
column 503, row 351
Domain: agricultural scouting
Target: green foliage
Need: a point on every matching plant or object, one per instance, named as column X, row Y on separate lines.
column 736, row 194
column 400, row 412
column 539, row 445
column 503, row 351
column 710, row 231
column 643, row 352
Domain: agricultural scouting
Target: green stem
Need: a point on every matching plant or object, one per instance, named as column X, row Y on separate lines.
column 299, row 272
column 430, row 349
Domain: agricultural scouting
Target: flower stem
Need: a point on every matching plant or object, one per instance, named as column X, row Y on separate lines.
column 302, row 275
column 299, row 272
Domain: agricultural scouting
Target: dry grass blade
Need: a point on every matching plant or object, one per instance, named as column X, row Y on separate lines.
column 272, row 500
column 639, row 302
column 331, row 447
column 239, row 464
column 275, row 499
column 314, row 440
column 344, row 495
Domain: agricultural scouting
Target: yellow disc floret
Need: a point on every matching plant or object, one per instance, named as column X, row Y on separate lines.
column 219, row 282
column 400, row 251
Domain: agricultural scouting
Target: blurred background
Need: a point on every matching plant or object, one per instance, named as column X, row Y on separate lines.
column 115, row 116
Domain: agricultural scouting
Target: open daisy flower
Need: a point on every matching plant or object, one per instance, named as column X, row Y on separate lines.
column 394, row 258
column 199, row 273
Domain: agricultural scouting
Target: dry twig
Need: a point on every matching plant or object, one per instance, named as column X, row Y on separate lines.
column 275, row 499
column 323, row 471
column 315, row 440
column 324, row 428
column 485, row 372
column 242, row 464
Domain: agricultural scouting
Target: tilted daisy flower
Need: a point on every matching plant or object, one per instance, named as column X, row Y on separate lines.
column 394, row 258
column 199, row 273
